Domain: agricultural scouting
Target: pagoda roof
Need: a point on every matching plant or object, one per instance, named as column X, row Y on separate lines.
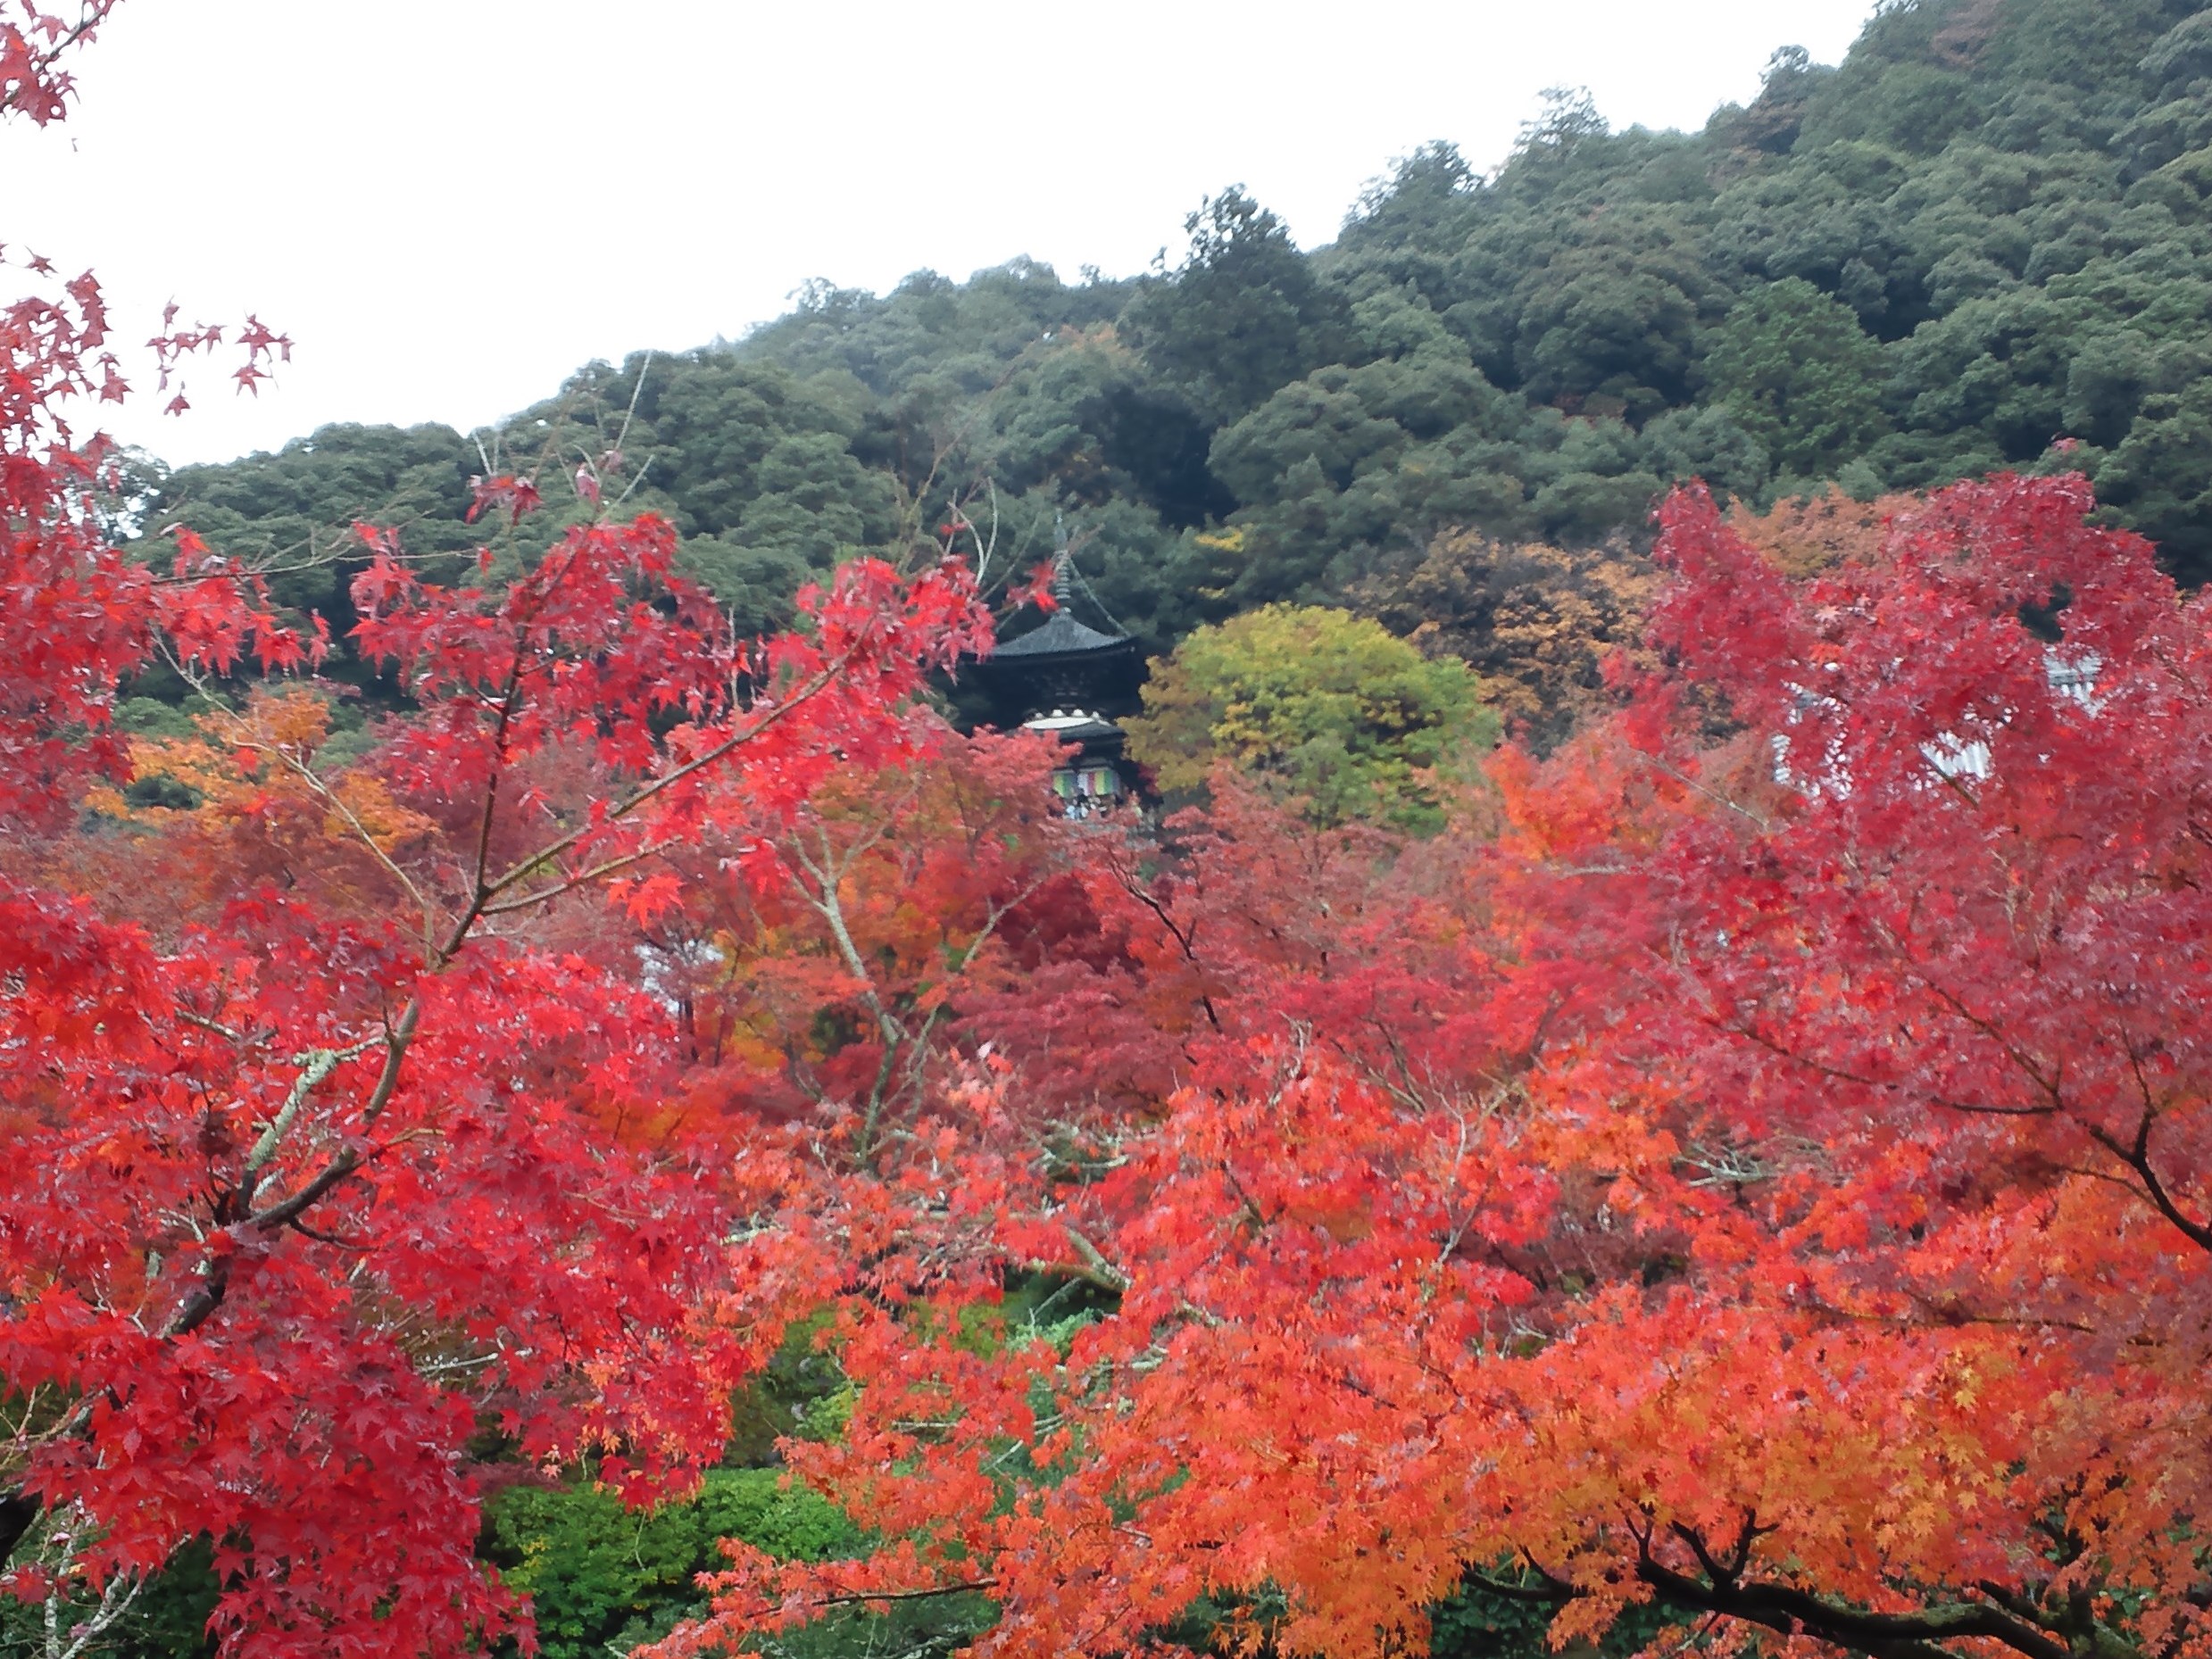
column 1061, row 636
column 1075, row 727
column 1091, row 734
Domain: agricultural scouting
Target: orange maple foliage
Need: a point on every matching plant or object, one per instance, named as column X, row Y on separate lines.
column 1764, row 1182
column 247, row 800
column 1806, row 534
column 1537, row 622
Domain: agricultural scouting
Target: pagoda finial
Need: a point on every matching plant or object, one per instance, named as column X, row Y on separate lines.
column 1063, row 578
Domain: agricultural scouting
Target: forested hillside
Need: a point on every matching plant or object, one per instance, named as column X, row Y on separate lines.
column 1980, row 242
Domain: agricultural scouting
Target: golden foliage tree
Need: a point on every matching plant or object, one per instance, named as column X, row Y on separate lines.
column 1326, row 705
column 1535, row 621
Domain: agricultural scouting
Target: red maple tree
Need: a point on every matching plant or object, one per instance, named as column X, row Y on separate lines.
column 308, row 1176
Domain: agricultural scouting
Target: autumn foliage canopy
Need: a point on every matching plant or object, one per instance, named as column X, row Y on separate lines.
column 1745, row 1174
column 1755, row 1177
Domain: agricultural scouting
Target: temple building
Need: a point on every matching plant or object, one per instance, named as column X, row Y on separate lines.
column 1071, row 681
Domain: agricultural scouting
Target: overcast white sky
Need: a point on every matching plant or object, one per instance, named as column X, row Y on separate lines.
column 451, row 204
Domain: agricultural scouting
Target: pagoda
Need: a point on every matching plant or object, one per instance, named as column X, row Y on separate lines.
column 1069, row 681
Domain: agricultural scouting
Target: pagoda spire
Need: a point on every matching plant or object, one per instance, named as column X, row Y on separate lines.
column 1064, row 564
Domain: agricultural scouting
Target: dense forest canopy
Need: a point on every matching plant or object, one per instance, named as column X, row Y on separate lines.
column 1981, row 241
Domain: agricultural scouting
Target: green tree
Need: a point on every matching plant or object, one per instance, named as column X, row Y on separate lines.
column 601, row 1576
column 1800, row 376
column 1609, row 324
column 2161, row 478
column 1243, row 315
column 1326, row 707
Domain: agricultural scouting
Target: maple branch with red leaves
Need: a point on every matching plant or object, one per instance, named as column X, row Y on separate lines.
column 28, row 84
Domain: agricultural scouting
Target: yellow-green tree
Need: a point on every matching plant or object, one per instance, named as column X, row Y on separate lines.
column 1330, row 708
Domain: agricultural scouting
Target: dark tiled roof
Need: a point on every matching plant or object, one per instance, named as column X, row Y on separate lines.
column 1061, row 635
